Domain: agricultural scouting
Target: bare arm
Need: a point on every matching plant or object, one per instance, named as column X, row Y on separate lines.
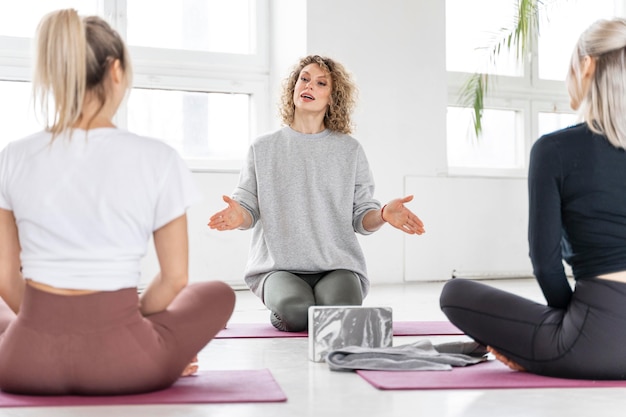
column 172, row 250
column 11, row 280
column 396, row 214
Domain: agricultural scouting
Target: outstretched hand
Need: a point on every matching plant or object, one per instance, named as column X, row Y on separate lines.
column 232, row 217
column 396, row 214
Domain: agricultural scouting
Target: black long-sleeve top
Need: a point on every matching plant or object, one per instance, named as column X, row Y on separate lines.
column 577, row 198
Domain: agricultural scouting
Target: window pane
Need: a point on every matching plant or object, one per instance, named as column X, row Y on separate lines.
column 561, row 23
column 20, row 18
column 498, row 146
column 16, row 105
column 549, row 121
column 472, row 28
column 199, row 25
column 198, row 125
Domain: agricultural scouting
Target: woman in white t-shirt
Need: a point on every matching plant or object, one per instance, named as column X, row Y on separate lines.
column 79, row 203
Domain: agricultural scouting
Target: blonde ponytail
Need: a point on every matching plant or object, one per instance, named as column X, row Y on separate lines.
column 59, row 81
column 73, row 55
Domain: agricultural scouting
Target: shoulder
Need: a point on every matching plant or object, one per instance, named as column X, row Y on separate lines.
column 578, row 130
column 133, row 142
column 569, row 137
column 33, row 140
column 28, row 144
column 134, row 139
column 348, row 139
column 39, row 136
column 346, row 142
column 270, row 137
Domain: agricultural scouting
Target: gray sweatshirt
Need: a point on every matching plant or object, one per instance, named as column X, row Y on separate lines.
column 307, row 195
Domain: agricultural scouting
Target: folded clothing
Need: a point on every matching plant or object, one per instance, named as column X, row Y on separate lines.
column 418, row 356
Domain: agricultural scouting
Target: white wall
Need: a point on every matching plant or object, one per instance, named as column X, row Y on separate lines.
column 476, row 229
column 396, row 52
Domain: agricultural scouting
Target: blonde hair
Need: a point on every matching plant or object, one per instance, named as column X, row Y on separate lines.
column 343, row 94
column 603, row 105
column 73, row 55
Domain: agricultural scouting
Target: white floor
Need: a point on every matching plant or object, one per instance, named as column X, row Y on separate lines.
column 313, row 390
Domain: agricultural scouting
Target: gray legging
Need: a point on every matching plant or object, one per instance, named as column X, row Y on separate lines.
column 290, row 295
column 100, row 344
column 585, row 341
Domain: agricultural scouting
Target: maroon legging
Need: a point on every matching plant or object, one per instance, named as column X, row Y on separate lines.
column 100, row 344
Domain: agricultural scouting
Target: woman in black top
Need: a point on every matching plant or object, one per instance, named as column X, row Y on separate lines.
column 577, row 198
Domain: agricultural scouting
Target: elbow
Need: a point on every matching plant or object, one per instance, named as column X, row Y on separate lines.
column 551, row 274
column 181, row 282
column 175, row 282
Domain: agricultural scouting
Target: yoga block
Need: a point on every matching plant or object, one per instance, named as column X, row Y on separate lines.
column 335, row 327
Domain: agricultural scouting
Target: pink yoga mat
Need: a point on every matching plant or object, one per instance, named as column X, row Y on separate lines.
column 401, row 328
column 425, row 328
column 243, row 386
column 488, row 375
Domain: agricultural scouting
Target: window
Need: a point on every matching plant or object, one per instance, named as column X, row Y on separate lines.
column 494, row 150
column 561, row 24
column 524, row 101
column 468, row 39
column 214, row 126
column 550, row 121
column 201, row 71
column 198, row 25
column 15, row 100
column 20, row 18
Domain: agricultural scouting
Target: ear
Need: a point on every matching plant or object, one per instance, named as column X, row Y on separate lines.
column 588, row 67
column 116, row 72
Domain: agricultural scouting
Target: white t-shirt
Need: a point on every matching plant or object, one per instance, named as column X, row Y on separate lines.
column 86, row 207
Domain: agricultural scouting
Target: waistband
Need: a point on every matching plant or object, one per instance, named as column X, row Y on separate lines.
column 78, row 313
column 602, row 294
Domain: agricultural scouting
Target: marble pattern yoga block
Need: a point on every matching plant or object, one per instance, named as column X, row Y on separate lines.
column 335, row 327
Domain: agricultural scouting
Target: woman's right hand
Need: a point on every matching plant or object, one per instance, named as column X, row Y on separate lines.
column 232, row 217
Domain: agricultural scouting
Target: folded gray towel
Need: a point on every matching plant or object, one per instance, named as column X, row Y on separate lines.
column 419, row 356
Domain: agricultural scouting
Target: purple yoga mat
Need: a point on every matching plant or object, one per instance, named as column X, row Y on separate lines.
column 237, row 386
column 487, row 375
column 401, row 328
column 425, row 328
column 254, row 330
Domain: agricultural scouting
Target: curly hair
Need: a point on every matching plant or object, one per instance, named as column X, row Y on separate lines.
column 343, row 95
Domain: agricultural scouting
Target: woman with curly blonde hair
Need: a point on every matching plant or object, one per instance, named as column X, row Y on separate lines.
column 343, row 97
column 305, row 190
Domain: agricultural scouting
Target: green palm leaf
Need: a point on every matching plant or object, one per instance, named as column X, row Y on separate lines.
column 518, row 39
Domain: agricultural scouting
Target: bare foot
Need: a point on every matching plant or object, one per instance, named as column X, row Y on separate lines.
column 192, row 368
column 513, row 365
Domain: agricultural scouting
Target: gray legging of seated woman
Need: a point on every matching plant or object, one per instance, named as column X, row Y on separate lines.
column 290, row 295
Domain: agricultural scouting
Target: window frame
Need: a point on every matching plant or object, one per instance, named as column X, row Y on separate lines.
column 522, row 108
column 531, row 95
column 181, row 70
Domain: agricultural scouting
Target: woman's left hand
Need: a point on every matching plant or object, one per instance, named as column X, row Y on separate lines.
column 396, row 214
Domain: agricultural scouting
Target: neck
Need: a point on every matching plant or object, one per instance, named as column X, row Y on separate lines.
column 86, row 123
column 94, row 114
column 313, row 123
